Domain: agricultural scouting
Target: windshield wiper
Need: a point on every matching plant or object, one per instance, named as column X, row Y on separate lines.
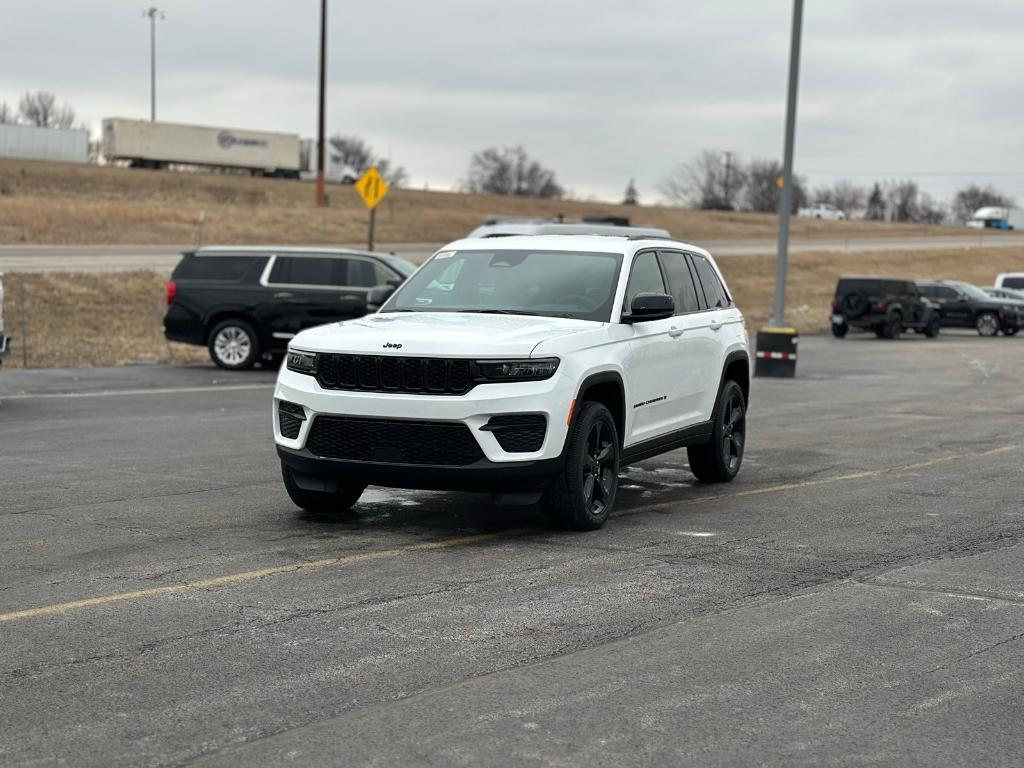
column 498, row 311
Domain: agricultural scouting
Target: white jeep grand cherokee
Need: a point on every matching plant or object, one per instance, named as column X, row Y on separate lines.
column 536, row 366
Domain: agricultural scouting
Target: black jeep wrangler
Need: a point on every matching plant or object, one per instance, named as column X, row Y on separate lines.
column 884, row 305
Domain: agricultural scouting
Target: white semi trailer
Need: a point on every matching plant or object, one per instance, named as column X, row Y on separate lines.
column 145, row 144
column 68, row 145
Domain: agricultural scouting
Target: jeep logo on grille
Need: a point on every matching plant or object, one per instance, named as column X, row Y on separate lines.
column 389, row 345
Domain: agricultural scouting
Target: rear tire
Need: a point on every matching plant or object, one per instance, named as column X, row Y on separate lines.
column 893, row 327
column 234, row 345
column 719, row 461
column 839, row 330
column 581, row 497
column 987, row 324
column 322, row 503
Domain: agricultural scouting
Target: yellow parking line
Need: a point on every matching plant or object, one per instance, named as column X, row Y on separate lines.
column 150, row 391
column 260, row 573
column 385, row 554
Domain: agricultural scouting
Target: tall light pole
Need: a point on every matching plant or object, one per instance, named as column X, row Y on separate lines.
column 776, row 350
column 320, row 192
column 786, row 203
column 153, row 13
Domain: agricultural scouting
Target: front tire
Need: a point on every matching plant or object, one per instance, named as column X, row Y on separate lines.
column 234, row 345
column 719, row 460
column 583, row 494
column 932, row 329
column 987, row 324
column 322, row 503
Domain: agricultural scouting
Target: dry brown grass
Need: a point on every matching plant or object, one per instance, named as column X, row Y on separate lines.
column 55, row 203
column 91, row 319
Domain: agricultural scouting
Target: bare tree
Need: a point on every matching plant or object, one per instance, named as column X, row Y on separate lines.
column 902, row 198
column 7, row 116
column 972, row 197
column 510, row 171
column 762, row 192
column 631, row 196
column 712, row 179
column 930, row 210
column 356, row 153
column 876, row 204
column 40, row 109
column 844, row 195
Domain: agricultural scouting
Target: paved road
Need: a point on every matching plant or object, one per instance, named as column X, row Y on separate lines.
column 855, row 598
column 54, row 258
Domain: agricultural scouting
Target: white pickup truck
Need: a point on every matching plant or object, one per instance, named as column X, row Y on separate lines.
column 821, row 211
column 4, row 341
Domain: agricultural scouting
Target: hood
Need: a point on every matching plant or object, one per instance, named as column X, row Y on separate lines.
column 439, row 334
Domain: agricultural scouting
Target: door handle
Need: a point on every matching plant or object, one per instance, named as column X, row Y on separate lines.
column 715, row 325
column 284, row 295
column 675, row 333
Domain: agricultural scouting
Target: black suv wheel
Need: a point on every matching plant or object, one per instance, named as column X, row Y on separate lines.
column 892, row 328
column 719, row 460
column 932, row 329
column 583, row 494
column 839, row 329
column 322, row 503
column 234, row 345
column 987, row 324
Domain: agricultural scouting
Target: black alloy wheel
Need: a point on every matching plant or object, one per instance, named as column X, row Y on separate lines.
column 583, row 494
column 719, row 460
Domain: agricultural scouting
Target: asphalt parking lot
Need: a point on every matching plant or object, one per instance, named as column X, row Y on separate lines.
column 855, row 598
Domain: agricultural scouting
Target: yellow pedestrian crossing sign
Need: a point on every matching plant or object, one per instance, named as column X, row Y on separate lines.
column 371, row 187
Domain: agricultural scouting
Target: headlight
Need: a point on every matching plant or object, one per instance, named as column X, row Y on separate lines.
column 518, row 370
column 302, row 362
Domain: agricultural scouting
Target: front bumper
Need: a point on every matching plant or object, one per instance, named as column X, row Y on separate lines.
column 498, row 467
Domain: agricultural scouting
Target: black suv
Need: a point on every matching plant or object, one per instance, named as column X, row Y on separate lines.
column 884, row 305
column 962, row 305
column 245, row 303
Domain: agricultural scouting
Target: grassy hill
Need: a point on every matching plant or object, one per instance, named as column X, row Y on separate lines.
column 57, row 203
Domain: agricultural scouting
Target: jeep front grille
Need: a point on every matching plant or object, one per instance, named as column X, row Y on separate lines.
column 382, row 373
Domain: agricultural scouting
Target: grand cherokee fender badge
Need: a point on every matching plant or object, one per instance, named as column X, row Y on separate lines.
column 389, row 345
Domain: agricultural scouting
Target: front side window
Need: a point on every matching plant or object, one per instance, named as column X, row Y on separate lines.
column 645, row 277
column 550, row 283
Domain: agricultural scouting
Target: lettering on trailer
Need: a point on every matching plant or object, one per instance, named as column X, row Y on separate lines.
column 227, row 140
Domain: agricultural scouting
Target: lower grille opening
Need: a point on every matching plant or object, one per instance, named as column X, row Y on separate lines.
column 290, row 417
column 519, row 433
column 390, row 441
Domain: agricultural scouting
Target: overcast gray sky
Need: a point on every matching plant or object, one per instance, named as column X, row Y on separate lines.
column 601, row 91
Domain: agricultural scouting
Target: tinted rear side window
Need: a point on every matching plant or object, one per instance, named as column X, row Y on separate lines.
column 872, row 287
column 680, row 282
column 309, row 270
column 1013, row 282
column 226, row 268
column 714, row 291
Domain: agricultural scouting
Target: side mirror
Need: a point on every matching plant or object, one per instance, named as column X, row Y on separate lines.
column 650, row 306
column 377, row 296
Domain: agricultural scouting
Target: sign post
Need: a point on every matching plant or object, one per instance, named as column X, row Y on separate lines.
column 372, row 188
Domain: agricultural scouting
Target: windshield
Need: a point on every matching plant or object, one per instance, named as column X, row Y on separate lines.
column 401, row 266
column 572, row 284
column 973, row 291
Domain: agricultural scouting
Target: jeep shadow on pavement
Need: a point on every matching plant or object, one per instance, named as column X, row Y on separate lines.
column 888, row 306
